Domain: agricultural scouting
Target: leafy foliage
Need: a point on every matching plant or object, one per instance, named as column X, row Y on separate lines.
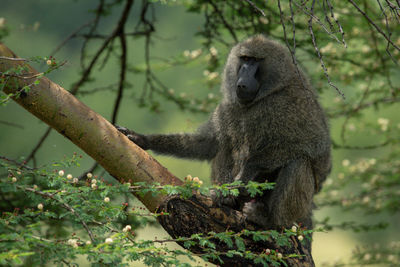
column 67, row 217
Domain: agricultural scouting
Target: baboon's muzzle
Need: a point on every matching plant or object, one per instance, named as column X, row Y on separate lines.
column 247, row 85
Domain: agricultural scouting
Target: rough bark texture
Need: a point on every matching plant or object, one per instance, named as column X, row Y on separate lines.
column 126, row 161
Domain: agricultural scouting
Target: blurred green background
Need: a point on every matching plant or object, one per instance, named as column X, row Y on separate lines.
column 38, row 27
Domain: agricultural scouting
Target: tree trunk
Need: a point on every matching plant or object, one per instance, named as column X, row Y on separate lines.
column 125, row 161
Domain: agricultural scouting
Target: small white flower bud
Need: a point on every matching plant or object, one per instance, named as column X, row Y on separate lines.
column 195, row 53
column 345, row 162
column 109, row 240
column 94, row 186
column 2, row 22
column 48, row 62
column 73, row 242
column 294, row 229
column 88, row 242
column 19, row 173
column 69, row 176
column 75, row 180
column 196, row 179
column 334, row 193
column 212, row 75
column 300, row 237
column 213, row 51
column 279, row 255
column 14, row 179
column 35, row 187
column 366, row 199
column 189, row 178
column 267, row 251
column 351, row 127
column 106, row 199
column 127, row 228
column 263, row 20
column 94, row 181
column 89, row 175
column 61, row 173
column 367, row 257
column 40, row 206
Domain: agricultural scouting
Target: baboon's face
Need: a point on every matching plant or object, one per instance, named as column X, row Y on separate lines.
column 248, row 84
column 255, row 69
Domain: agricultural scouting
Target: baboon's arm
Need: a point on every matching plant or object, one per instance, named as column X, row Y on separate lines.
column 201, row 145
column 292, row 195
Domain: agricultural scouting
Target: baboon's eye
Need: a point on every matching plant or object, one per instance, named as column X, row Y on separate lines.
column 246, row 58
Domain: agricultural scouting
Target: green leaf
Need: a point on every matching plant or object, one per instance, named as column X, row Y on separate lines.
column 240, row 244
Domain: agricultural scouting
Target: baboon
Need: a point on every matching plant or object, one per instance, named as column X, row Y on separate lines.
column 269, row 125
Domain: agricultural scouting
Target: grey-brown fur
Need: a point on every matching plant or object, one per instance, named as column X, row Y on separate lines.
column 282, row 136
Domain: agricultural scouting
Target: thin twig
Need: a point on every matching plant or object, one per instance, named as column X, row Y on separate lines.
column 367, row 147
column 256, row 7
column 72, row 35
column 374, row 25
column 294, row 32
column 22, row 76
column 88, row 70
column 90, row 170
column 39, row 144
column 319, row 54
column 292, row 52
column 65, row 205
column 13, row 58
column 394, row 10
column 11, row 124
column 99, row 13
column 337, row 22
column 19, row 164
column 121, row 79
column 385, row 100
column 386, row 70
column 226, row 24
column 312, row 16
column 356, row 109
column 388, row 30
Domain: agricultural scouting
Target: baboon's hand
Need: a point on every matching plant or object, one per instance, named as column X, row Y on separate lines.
column 230, row 201
column 255, row 212
column 138, row 139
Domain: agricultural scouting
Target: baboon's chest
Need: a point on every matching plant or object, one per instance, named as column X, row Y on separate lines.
column 242, row 136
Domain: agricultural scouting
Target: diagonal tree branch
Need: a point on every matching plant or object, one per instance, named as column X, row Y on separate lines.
column 88, row 130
